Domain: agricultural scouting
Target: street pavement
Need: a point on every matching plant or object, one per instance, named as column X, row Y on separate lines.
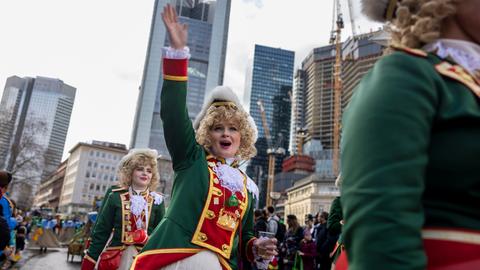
column 54, row 259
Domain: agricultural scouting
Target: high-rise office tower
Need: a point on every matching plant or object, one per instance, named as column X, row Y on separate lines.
column 297, row 122
column 360, row 54
column 35, row 116
column 318, row 67
column 271, row 83
column 208, row 31
column 315, row 80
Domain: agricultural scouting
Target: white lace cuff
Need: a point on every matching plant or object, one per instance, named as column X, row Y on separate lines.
column 260, row 262
column 171, row 53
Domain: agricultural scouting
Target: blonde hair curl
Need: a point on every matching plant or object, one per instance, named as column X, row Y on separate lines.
column 132, row 161
column 418, row 22
column 214, row 116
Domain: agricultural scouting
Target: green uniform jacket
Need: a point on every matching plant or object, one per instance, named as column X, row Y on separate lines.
column 111, row 216
column 410, row 157
column 334, row 217
column 334, row 227
column 172, row 239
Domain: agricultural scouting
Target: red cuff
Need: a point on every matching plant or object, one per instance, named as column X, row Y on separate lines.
column 249, row 250
column 175, row 69
column 88, row 263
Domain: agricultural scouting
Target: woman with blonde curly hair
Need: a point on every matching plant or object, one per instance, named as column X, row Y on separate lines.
column 129, row 215
column 410, row 142
column 209, row 223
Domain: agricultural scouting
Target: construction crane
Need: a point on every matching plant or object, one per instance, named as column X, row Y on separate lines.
column 335, row 38
column 352, row 20
column 272, row 151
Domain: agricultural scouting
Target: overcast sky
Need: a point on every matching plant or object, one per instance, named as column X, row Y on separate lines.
column 99, row 47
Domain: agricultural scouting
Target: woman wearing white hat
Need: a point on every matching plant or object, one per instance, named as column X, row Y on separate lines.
column 209, row 223
column 130, row 214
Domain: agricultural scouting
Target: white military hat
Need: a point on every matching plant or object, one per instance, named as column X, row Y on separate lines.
column 223, row 95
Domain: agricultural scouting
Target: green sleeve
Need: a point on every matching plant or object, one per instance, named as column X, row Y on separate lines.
column 385, row 153
column 103, row 228
column 105, row 197
column 177, row 126
column 334, row 217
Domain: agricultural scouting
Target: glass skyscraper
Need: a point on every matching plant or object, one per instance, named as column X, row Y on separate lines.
column 35, row 116
column 208, row 31
column 271, row 83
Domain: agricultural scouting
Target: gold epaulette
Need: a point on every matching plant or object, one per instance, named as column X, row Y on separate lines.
column 119, row 189
column 459, row 74
column 414, row 52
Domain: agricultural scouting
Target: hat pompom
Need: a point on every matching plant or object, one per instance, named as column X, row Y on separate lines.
column 375, row 9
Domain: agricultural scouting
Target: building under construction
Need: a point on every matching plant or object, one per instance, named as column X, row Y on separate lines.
column 314, row 84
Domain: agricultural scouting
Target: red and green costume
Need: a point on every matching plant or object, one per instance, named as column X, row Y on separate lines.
column 410, row 155
column 116, row 216
column 203, row 214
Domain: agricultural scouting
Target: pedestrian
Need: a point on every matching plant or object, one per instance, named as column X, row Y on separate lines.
column 309, row 223
column 7, row 213
column 291, row 243
column 308, row 250
column 46, row 235
column 130, row 214
column 324, row 245
column 4, row 236
column 272, row 221
column 260, row 222
column 212, row 201
column 410, row 142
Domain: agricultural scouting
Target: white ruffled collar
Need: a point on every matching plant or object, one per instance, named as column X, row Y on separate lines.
column 139, row 204
column 464, row 53
column 233, row 178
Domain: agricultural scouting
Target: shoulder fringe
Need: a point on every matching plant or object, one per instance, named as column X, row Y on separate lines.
column 157, row 197
column 252, row 188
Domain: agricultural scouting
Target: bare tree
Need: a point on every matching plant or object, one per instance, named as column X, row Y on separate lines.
column 24, row 155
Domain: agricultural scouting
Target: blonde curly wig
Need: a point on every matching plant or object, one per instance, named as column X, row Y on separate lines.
column 216, row 115
column 416, row 22
column 137, row 158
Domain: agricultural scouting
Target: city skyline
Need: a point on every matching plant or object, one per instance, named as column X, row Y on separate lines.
column 35, row 116
column 104, row 55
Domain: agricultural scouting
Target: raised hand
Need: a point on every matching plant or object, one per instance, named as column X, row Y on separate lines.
column 177, row 32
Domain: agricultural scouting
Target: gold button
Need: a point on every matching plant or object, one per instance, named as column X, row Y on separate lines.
column 210, row 214
column 202, row 237
column 225, row 248
column 217, row 191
